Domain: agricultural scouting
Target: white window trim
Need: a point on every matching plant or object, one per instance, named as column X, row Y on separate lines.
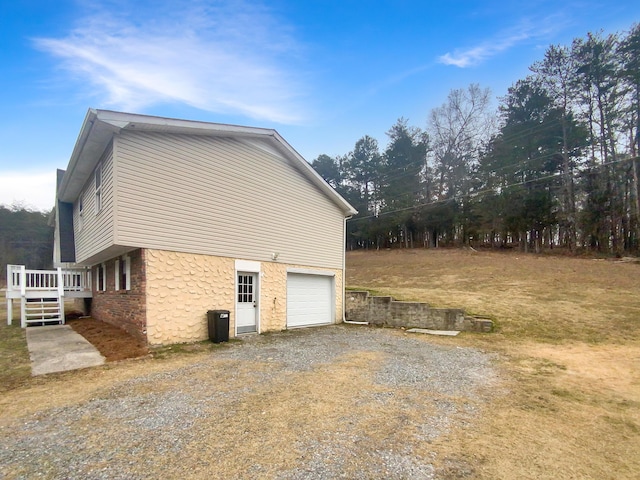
column 98, row 188
column 117, row 270
column 127, row 266
column 80, row 212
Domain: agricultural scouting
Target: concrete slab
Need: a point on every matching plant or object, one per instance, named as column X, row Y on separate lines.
column 58, row 348
column 447, row 333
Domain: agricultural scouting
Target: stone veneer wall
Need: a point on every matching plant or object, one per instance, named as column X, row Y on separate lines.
column 123, row 308
column 182, row 287
column 385, row 311
column 273, row 295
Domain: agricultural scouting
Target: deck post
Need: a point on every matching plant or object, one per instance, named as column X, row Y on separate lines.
column 23, row 312
column 23, row 296
column 60, row 283
column 61, row 295
column 9, row 299
column 23, row 281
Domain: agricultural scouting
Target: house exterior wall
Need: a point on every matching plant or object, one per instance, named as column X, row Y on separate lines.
column 223, row 197
column 94, row 231
column 191, row 200
column 125, row 309
column 182, row 287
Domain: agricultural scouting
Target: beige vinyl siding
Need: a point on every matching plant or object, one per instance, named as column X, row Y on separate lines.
column 96, row 232
column 222, row 196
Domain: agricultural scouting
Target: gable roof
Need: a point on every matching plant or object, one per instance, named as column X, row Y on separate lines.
column 100, row 126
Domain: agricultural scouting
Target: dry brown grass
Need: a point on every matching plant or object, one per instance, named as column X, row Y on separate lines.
column 568, row 339
column 15, row 367
column 568, row 331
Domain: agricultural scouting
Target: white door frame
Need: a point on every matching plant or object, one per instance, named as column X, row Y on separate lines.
column 247, row 267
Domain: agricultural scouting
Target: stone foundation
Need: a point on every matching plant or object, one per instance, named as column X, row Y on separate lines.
column 385, row 311
column 171, row 293
column 182, row 287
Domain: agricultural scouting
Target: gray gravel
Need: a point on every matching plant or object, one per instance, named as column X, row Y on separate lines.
column 126, row 430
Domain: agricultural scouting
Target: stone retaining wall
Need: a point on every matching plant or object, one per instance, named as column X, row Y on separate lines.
column 385, row 311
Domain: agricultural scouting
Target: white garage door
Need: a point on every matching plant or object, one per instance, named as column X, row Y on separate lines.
column 309, row 300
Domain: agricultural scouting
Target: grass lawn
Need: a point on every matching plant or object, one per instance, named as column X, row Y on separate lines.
column 568, row 335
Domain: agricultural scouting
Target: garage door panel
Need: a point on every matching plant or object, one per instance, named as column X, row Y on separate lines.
column 309, row 300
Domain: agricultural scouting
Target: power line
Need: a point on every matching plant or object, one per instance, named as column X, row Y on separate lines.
column 480, row 192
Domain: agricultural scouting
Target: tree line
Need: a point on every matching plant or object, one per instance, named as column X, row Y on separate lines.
column 555, row 166
column 25, row 239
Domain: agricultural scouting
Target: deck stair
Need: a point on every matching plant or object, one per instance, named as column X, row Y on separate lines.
column 42, row 293
column 41, row 311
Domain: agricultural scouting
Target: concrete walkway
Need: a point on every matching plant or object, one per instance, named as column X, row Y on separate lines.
column 58, row 348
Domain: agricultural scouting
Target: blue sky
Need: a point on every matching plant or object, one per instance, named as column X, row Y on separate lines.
column 322, row 73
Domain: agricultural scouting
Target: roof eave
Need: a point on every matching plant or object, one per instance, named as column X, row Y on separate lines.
column 91, row 142
column 100, row 126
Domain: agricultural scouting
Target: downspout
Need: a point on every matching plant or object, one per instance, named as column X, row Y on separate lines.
column 344, row 278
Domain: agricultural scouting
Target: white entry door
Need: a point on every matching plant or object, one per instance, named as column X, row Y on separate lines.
column 246, row 302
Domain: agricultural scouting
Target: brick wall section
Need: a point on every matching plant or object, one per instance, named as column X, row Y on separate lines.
column 123, row 308
column 385, row 311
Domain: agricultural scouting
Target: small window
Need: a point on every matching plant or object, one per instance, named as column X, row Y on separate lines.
column 98, row 188
column 245, row 288
column 101, row 277
column 80, row 213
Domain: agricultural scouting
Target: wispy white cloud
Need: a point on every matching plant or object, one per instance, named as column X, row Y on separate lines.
column 526, row 30
column 31, row 189
column 224, row 57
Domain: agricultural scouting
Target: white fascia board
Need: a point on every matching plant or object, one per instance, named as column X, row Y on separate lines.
column 134, row 121
column 89, row 119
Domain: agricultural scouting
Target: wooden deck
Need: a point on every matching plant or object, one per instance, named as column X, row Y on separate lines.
column 42, row 293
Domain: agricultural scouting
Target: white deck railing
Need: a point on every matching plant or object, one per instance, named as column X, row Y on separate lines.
column 23, row 283
column 19, row 279
column 76, row 280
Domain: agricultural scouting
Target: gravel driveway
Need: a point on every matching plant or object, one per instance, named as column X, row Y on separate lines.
column 331, row 402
